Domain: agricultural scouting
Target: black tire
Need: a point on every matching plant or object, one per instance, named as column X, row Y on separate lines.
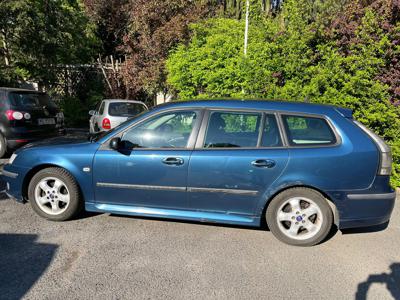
column 3, row 146
column 75, row 201
column 277, row 227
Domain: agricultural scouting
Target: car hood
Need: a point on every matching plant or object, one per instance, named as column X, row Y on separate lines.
column 65, row 141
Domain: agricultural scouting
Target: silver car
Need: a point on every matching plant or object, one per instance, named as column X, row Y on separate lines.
column 109, row 113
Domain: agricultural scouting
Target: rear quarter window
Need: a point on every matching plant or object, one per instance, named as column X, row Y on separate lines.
column 308, row 131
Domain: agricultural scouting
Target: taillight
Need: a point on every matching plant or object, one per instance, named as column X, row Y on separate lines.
column 14, row 115
column 106, row 123
column 385, row 165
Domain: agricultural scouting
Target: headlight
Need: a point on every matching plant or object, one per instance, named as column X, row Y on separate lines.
column 12, row 158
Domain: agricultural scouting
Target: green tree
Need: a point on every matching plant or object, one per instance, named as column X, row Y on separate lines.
column 292, row 57
column 37, row 34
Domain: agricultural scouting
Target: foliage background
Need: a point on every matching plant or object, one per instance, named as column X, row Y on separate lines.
column 341, row 52
column 344, row 54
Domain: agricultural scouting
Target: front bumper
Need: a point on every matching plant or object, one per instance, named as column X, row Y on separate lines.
column 14, row 176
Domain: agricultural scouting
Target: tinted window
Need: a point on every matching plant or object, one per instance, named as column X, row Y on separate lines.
column 308, row 131
column 171, row 130
column 271, row 136
column 26, row 100
column 125, row 109
column 231, row 129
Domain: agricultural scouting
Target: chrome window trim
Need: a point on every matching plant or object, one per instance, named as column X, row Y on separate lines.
column 198, row 136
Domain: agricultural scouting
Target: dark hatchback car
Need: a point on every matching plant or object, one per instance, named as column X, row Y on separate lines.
column 27, row 116
column 299, row 167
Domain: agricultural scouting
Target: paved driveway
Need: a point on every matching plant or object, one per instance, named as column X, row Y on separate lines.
column 113, row 257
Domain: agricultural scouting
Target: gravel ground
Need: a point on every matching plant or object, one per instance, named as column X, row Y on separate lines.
column 104, row 256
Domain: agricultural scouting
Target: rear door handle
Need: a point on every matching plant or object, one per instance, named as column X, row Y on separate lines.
column 173, row 161
column 263, row 163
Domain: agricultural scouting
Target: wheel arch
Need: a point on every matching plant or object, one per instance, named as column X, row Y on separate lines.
column 28, row 177
column 331, row 204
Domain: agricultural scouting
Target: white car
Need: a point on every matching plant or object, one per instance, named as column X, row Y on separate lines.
column 109, row 113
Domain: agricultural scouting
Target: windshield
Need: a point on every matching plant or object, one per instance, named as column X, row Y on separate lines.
column 96, row 136
column 29, row 100
column 125, row 109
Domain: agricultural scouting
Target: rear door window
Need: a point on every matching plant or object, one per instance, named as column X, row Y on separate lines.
column 305, row 130
column 271, row 136
column 232, row 130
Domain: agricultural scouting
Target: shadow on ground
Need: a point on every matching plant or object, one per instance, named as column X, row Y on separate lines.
column 391, row 280
column 369, row 229
column 22, row 263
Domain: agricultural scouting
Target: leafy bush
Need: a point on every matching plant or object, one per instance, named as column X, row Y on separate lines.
column 293, row 57
column 76, row 115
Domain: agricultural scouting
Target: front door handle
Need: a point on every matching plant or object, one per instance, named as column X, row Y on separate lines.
column 173, row 161
column 263, row 163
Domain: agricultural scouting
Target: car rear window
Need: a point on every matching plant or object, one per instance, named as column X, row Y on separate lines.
column 125, row 109
column 26, row 100
column 304, row 130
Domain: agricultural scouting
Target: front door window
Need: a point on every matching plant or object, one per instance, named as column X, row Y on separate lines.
column 170, row 130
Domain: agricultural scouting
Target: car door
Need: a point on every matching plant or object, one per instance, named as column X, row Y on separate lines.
column 150, row 169
column 236, row 159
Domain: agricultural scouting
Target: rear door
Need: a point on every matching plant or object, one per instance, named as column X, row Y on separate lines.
column 238, row 156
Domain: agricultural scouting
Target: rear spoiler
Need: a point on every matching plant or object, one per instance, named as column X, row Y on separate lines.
column 345, row 112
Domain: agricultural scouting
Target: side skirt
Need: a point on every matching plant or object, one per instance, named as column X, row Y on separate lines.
column 191, row 215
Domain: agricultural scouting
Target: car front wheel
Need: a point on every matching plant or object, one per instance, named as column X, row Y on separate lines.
column 54, row 194
column 300, row 217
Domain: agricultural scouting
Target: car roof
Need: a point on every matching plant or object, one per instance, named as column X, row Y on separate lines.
column 11, row 89
column 123, row 100
column 275, row 105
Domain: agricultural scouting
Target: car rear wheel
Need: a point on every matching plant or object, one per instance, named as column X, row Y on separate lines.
column 3, row 146
column 300, row 217
column 54, row 194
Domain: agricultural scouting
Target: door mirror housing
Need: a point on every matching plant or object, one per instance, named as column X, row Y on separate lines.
column 115, row 143
column 92, row 112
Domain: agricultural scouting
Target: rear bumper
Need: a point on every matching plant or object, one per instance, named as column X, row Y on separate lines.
column 364, row 210
column 17, row 137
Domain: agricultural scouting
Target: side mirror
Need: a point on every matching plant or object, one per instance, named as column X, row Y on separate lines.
column 92, row 112
column 115, row 143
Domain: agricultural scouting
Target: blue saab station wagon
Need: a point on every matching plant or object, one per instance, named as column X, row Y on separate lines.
column 299, row 167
